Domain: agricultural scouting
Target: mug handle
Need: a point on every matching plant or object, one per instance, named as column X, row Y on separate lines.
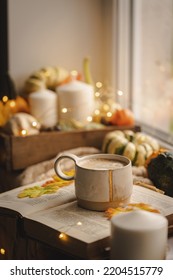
column 58, row 169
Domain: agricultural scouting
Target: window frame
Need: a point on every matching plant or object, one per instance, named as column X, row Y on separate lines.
column 124, row 52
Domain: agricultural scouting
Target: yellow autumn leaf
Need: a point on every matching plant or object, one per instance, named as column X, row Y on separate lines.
column 110, row 212
column 69, row 173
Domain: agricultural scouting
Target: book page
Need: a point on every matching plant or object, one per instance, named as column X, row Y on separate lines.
column 89, row 225
column 28, row 205
column 74, row 221
column 66, row 194
column 159, row 201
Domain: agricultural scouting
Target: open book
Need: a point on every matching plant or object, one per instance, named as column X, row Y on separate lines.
column 24, row 206
column 58, row 221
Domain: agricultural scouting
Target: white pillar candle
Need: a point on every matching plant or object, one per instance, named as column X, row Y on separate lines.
column 75, row 101
column 44, row 107
column 139, row 235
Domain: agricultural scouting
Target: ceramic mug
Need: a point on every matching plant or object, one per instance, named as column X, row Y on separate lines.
column 101, row 180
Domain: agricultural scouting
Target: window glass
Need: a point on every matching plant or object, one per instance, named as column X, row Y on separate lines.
column 152, row 65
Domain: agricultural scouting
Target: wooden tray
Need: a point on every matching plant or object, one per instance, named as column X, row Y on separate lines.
column 18, row 152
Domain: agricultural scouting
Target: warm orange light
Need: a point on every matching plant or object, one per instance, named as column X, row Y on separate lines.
column 5, row 98
column 12, row 103
column 2, row 251
column 64, row 110
column 97, row 94
column 34, row 124
column 89, row 119
column 109, row 114
column 120, row 92
column 62, row 236
column 99, row 84
column 97, row 112
column 23, row 132
column 105, row 107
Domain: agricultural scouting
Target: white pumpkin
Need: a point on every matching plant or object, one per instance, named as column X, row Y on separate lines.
column 136, row 146
column 22, row 124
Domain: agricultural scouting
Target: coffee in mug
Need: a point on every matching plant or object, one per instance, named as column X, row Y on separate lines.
column 101, row 180
column 101, row 164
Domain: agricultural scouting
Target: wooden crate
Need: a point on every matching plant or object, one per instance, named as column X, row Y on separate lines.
column 20, row 152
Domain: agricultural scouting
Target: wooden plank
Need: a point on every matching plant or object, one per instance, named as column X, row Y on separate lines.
column 22, row 152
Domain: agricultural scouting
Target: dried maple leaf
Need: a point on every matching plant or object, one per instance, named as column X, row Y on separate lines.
column 110, row 212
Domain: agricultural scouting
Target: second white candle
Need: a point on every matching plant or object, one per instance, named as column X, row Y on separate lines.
column 139, row 235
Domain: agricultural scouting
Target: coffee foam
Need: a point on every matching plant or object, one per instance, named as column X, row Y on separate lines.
column 101, row 164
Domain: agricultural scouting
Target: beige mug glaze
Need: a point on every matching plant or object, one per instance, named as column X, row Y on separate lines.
column 98, row 188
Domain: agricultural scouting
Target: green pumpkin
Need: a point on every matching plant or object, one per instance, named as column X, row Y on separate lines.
column 160, row 172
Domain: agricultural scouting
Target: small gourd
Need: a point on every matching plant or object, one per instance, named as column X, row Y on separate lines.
column 160, row 171
column 138, row 147
column 22, row 124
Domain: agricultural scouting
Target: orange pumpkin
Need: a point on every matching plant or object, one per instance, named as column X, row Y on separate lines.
column 71, row 78
column 12, row 107
column 122, row 117
column 22, row 105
